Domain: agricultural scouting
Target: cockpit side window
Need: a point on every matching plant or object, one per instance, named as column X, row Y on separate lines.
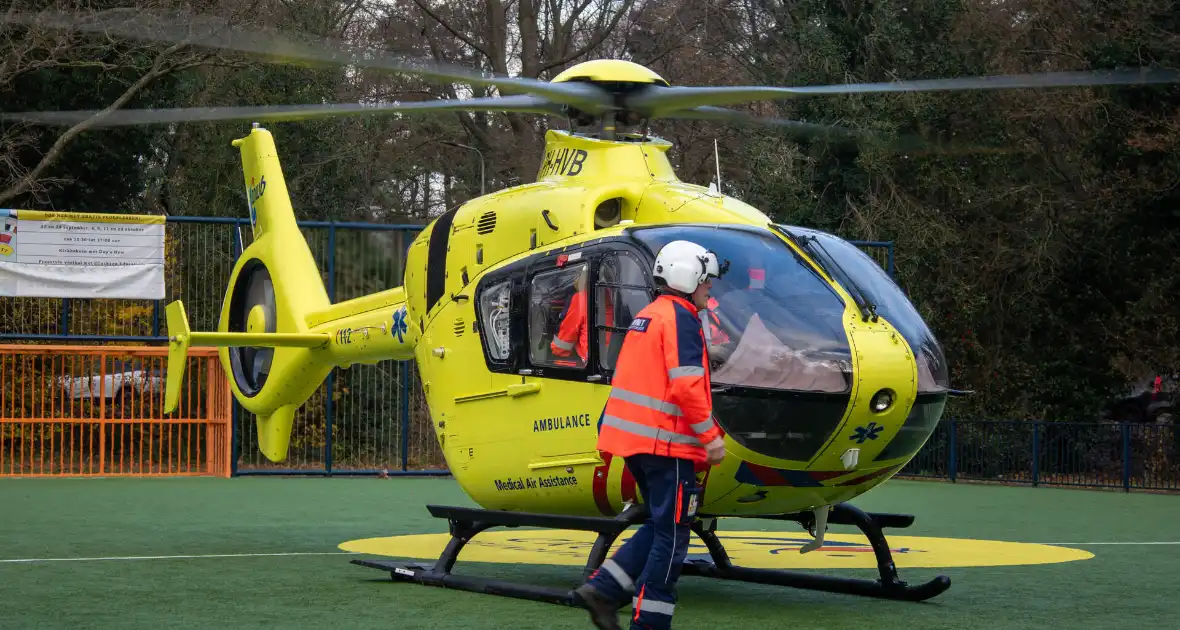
column 558, row 318
column 621, row 291
column 494, row 304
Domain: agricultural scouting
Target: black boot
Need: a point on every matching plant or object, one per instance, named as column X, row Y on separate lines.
column 603, row 612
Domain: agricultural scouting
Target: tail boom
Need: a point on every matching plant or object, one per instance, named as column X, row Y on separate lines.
column 369, row 336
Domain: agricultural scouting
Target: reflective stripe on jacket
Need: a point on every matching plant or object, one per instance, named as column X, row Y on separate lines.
column 572, row 334
column 660, row 401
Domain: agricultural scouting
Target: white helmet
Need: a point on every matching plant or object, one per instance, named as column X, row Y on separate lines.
column 684, row 265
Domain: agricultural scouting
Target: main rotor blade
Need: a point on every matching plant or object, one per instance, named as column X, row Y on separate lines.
column 798, row 127
column 117, row 118
column 655, row 100
column 213, row 33
column 907, row 143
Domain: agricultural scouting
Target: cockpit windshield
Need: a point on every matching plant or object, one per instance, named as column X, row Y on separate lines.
column 772, row 321
column 851, row 266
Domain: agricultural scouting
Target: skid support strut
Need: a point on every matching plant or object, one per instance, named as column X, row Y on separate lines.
column 466, row 523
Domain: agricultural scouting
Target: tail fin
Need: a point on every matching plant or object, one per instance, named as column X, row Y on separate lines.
column 276, row 318
column 276, row 235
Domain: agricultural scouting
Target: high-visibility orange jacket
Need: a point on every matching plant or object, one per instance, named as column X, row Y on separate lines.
column 572, row 333
column 661, row 402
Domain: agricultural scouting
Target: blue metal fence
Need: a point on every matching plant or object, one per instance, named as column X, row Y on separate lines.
column 368, row 419
column 1126, row 456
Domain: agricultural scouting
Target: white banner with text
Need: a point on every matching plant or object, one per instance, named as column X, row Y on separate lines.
column 81, row 255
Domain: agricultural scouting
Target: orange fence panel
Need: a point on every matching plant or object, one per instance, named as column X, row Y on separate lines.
column 99, row 411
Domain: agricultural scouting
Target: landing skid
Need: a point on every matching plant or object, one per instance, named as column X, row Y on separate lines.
column 466, row 523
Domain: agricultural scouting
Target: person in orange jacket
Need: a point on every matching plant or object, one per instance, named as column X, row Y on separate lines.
column 573, row 331
column 717, row 334
column 720, row 344
column 659, row 419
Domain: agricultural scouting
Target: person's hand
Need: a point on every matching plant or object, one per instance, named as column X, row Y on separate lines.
column 715, row 451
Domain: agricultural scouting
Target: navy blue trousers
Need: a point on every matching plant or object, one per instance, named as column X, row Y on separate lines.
column 647, row 566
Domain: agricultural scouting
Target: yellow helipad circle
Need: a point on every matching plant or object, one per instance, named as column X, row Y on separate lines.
column 765, row 550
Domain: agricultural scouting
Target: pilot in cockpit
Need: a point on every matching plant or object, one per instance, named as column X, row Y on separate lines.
column 721, row 343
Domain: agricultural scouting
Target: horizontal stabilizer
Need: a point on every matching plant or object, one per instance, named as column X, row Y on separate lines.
column 181, row 338
column 259, row 340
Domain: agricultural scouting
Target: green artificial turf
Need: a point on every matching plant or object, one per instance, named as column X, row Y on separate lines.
column 1122, row 586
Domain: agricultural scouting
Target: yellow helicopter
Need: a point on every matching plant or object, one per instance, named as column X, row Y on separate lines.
column 826, row 379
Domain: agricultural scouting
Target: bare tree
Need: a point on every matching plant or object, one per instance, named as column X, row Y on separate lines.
column 31, row 46
column 530, row 38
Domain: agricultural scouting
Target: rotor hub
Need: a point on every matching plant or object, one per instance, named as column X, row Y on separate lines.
column 618, row 79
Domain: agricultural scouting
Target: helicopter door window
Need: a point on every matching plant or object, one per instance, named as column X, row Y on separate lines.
column 620, row 293
column 558, row 317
